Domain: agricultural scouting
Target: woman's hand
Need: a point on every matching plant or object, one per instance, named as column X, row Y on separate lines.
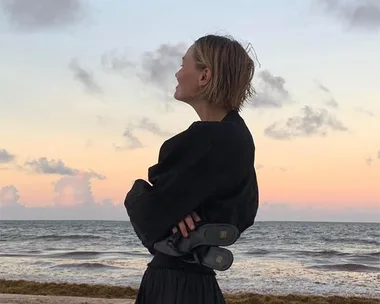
column 187, row 224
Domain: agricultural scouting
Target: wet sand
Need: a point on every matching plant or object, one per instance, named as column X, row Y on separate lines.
column 27, row 292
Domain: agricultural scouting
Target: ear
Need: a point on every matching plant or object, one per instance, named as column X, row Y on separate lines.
column 205, row 77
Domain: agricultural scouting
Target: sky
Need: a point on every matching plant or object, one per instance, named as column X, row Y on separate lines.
column 86, row 102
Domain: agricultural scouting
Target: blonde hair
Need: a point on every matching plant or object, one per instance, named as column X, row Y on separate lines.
column 232, row 70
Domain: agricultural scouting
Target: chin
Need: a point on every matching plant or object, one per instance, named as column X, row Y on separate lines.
column 177, row 95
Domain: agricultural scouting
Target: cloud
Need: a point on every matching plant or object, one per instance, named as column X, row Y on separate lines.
column 74, row 190
column 361, row 14
column 70, row 191
column 133, row 142
column 41, row 14
column 6, row 157
column 74, row 201
column 9, row 196
column 270, row 92
column 85, row 77
column 369, row 161
column 311, row 122
column 331, row 102
column 159, row 67
column 152, row 127
column 145, row 124
column 378, row 155
column 44, row 165
column 364, row 111
column 112, row 61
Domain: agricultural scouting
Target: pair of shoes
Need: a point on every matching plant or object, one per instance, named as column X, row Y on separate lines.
column 202, row 245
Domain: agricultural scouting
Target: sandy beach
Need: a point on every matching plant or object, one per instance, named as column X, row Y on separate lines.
column 31, row 299
column 28, row 292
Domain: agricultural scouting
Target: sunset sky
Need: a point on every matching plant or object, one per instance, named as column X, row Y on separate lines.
column 86, row 101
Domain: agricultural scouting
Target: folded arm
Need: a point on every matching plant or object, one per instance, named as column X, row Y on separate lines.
column 195, row 179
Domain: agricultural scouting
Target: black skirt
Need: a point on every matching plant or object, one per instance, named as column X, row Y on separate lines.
column 174, row 286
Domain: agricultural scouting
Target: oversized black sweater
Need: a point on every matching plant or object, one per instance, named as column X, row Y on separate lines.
column 208, row 168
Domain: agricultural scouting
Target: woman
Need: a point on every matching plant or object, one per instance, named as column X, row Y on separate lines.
column 204, row 173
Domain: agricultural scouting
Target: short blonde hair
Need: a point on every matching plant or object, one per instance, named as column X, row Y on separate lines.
column 232, row 70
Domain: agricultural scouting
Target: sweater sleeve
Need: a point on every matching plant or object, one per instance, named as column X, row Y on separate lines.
column 189, row 177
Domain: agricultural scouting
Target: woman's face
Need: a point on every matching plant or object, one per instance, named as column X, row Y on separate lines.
column 189, row 78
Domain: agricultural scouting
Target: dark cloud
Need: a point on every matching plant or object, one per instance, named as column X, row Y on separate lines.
column 85, row 77
column 41, row 14
column 6, row 157
column 362, row 14
column 311, row 122
column 9, row 196
column 43, row 165
column 270, row 91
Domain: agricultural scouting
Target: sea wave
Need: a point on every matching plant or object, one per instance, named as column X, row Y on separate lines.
column 87, row 266
column 351, row 241
column 76, row 255
column 346, row 267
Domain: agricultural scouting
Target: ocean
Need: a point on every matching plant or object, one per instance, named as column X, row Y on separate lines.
column 270, row 257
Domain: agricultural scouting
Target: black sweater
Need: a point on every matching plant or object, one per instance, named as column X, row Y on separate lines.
column 208, row 168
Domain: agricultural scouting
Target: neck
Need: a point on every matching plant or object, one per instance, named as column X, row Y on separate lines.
column 209, row 113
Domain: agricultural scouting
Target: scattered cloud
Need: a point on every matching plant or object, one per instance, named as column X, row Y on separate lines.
column 331, row 102
column 6, row 157
column 74, row 190
column 44, row 165
column 115, row 62
column 74, row 200
column 159, row 66
column 42, row 14
column 85, row 77
column 156, row 68
column 152, row 127
column 9, row 196
column 144, row 124
column 364, row 111
column 369, row 161
column 133, row 142
column 378, row 155
column 361, row 14
column 311, row 122
column 270, row 91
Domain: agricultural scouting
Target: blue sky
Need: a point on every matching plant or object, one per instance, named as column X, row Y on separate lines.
column 72, row 85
